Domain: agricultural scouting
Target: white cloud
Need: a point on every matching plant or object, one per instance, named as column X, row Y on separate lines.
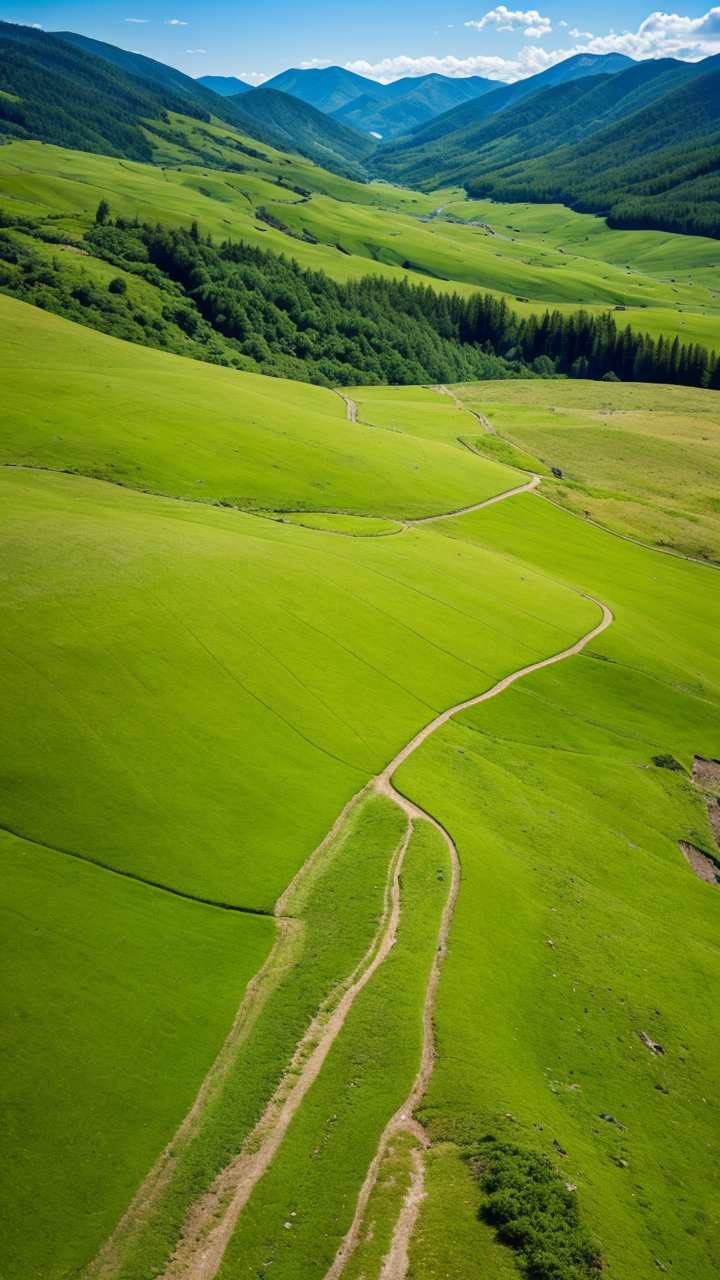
column 576, row 35
column 36, row 26
column 253, row 77
column 561, row 23
column 661, row 35
column 315, row 64
column 191, row 51
column 137, row 19
column 505, row 20
column 174, row 22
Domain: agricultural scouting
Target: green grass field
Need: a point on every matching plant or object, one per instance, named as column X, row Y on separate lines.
column 643, row 461
column 116, row 999
column 216, row 630
column 565, row 827
column 668, row 283
column 115, row 411
column 314, row 1181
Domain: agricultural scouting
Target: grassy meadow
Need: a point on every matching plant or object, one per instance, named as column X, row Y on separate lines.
column 566, row 828
column 314, row 1180
column 643, row 461
column 547, row 256
column 117, row 998
column 218, row 624
column 193, row 695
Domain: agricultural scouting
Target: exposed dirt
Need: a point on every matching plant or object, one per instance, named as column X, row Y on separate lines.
column 706, row 773
column 396, row 1263
column 351, row 407
column 703, row 866
column 211, row 1220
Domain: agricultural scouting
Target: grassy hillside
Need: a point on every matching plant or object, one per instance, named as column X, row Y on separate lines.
column 642, row 462
column 195, row 694
column 277, row 723
column 301, row 127
column 566, row 828
column 214, row 435
column 667, row 283
column 118, row 997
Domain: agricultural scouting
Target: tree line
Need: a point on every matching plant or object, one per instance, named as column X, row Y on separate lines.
column 253, row 309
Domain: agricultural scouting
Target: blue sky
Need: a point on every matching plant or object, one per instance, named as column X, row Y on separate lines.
column 380, row 39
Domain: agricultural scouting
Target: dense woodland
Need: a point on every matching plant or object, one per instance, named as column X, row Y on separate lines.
column 618, row 145
column 237, row 305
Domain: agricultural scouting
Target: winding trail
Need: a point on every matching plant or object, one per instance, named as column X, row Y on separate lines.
column 211, row 1219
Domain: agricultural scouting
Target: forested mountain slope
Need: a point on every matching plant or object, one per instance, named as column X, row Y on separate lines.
column 644, row 137
column 301, row 127
column 57, row 92
column 136, row 64
column 410, row 103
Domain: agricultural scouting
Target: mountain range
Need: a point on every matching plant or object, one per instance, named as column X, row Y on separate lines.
column 636, row 142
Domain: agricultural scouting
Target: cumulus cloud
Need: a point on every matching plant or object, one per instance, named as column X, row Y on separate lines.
column 174, row 22
column 576, row 35
column 315, row 64
column 661, row 35
column 253, row 77
column 505, row 20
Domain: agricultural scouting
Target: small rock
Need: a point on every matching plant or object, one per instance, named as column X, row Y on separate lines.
column 612, row 1120
column 656, row 1048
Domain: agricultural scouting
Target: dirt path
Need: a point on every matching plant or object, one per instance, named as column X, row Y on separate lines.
column 395, row 1267
column 463, row 511
column 484, row 422
column 351, row 407
column 211, row 1220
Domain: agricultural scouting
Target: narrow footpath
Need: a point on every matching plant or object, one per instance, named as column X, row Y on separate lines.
column 211, row 1220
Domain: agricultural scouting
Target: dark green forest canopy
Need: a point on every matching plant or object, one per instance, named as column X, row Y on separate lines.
column 641, row 147
column 241, row 306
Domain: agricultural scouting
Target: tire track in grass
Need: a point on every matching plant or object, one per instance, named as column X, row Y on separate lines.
column 211, row 1221
column 212, row 1218
column 396, row 1263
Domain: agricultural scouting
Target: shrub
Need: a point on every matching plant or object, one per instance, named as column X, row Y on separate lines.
column 534, row 1212
column 118, row 285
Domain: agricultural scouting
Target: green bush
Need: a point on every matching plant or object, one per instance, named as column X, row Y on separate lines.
column 534, row 1212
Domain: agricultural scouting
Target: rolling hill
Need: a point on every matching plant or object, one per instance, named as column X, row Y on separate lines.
column 299, row 126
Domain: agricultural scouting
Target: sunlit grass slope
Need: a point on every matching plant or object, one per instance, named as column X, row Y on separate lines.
column 194, row 693
column 642, row 460
column 669, row 283
column 568, row 833
column 116, row 999
column 314, row 1181
column 80, row 401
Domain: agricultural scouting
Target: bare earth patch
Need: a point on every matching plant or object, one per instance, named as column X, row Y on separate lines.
column 706, row 773
column 703, row 866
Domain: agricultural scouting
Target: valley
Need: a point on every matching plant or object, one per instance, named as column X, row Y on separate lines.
column 360, row 816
